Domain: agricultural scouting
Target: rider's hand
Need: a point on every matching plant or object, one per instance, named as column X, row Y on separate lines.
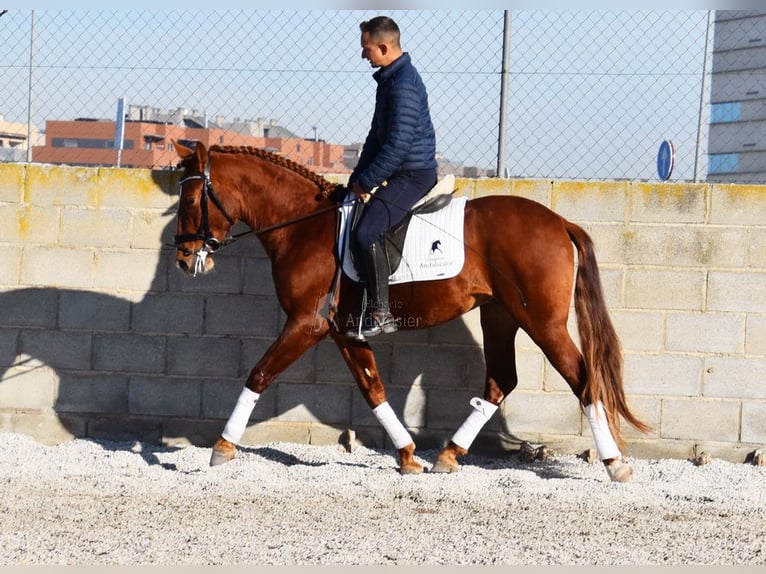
column 359, row 191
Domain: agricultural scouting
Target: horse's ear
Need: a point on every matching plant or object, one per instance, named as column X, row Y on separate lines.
column 182, row 151
column 201, row 152
column 188, row 155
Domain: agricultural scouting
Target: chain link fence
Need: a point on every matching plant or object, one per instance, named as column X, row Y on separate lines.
column 590, row 94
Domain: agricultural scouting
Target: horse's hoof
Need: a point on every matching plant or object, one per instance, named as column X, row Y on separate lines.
column 447, row 459
column 220, row 457
column 619, row 471
column 412, row 468
column 441, row 466
column 407, row 464
column 223, row 451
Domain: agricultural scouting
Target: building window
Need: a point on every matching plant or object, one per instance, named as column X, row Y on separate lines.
column 725, row 112
column 723, row 163
column 89, row 143
column 63, row 142
column 191, row 144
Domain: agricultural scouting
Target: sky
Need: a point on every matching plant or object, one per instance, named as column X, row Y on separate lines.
column 398, row 5
column 572, row 113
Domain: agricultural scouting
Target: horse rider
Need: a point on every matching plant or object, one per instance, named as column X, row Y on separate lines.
column 398, row 158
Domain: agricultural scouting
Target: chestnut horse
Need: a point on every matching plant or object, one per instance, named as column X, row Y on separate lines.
column 519, row 270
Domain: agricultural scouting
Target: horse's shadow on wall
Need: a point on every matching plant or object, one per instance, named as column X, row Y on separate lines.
column 167, row 368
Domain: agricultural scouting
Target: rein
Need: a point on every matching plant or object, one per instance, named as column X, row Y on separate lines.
column 233, row 238
column 204, row 234
column 210, row 243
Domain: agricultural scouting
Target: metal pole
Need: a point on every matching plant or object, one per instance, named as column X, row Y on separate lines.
column 501, row 170
column 704, row 89
column 119, row 129
column 29, row 91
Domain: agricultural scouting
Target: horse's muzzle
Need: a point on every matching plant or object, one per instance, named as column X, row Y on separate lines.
column 194, row 262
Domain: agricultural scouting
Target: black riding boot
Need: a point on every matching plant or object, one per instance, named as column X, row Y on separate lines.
column 379, row 320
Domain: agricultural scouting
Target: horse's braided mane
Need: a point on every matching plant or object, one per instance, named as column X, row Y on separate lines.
column 325, row 187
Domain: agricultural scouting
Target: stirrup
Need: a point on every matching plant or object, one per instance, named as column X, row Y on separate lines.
column 381, row 322
column 376, row 323
column 356, row 332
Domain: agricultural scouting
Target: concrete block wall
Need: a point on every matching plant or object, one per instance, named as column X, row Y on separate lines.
column 100, row 336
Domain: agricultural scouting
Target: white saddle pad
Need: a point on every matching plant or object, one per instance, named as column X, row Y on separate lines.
column 433, row 248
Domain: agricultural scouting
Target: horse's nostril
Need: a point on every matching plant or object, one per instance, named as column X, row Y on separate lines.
column 183, row 265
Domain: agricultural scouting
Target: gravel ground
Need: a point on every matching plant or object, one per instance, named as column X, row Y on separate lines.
column 98, row 502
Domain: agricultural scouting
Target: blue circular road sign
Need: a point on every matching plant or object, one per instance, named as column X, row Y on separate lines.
column 666, row 159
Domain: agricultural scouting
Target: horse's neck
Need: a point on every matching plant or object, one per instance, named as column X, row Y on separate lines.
column 274, row 198
column 289, row 225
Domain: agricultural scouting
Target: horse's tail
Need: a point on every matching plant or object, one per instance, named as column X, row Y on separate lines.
column 599, row 342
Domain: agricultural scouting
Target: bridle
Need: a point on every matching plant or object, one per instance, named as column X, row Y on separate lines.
column 210, row 243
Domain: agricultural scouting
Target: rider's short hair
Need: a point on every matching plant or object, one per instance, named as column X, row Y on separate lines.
column 381, row 27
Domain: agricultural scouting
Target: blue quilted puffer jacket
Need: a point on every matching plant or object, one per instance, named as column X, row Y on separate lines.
column 401, row 136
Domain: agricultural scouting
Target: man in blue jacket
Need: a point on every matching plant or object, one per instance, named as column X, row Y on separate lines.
column 398, row 158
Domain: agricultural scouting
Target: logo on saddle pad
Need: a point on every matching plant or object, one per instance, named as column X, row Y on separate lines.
column 433, row 248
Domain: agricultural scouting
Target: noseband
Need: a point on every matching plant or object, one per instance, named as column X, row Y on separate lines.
column 209, row 242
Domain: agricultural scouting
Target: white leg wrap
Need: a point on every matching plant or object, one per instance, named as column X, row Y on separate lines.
column 467, row 433
column 237, row 423
column 605, row 444
column 395, row 429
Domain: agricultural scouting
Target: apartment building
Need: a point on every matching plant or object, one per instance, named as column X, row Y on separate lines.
column 148, row 135
column 737, row 137
column 13, row 140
